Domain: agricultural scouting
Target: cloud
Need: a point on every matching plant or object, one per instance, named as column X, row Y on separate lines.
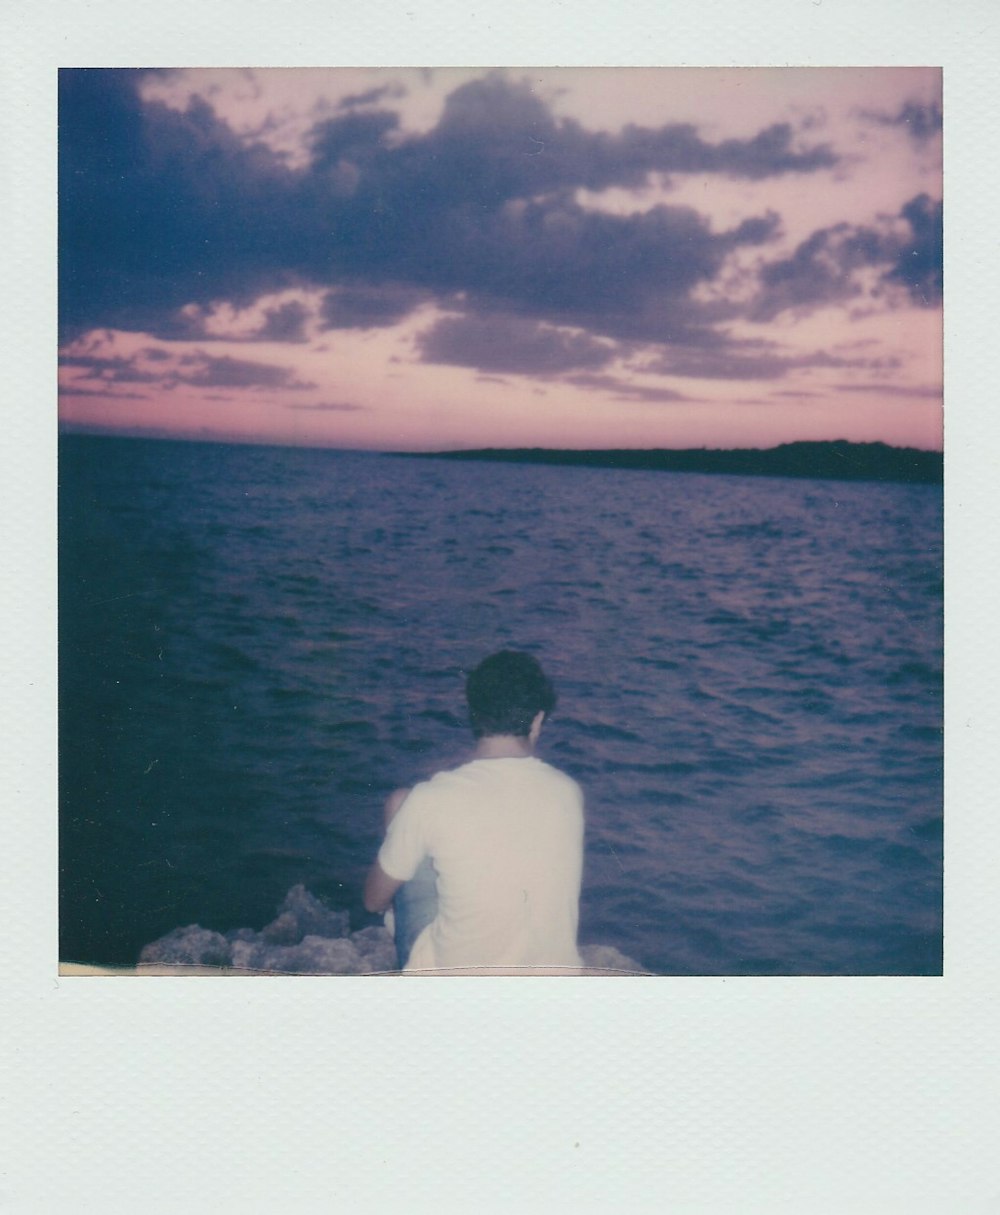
column 273, row 317
column 206, row 371
column 71, row 390
column 159, row 209
column 168, row 218
column 169, row 370
column 723, row 358
column 364, row 307
column 163, row 209
column 892, row 390
column 110, row 369
column 921, row 122
column 499, row 141
column 817, row 273
column 624, row 390
column 510, row 344
column 285, row 323
column 623, row 277
column 372, row 96
column 919, row 257
column 824, row 268
column 327, row 406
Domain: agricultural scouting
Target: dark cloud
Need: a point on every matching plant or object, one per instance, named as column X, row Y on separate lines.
column 361, row 307
column 624, row 277
column 724, row 365
column 623, row 390
column 354, row 139
column 161, row 209
column 70, row 390
column 110, row 370
column 814, row 275
column 372, row 96
column 164, row 214
column 921, row 122
column 757, row 230
column 512, row 345
column 721, row 358
column 499, row 141
column 892, row 390
column 198, row 368
column 206, row 371
column 919, row 257
column 823, row 269
column 189, row 324
column 286, row 323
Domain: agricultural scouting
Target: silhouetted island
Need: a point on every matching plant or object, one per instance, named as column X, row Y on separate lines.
column 838, row 460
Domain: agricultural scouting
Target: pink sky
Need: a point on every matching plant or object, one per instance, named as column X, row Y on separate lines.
column 395, row 259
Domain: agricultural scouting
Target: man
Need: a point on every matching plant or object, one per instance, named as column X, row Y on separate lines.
column 500, row 837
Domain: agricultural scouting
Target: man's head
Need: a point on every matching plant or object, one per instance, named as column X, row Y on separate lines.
column 506, row 692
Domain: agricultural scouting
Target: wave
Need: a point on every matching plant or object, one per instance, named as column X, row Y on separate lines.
column 749, row 672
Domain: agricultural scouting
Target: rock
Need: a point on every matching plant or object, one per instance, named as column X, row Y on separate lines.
column 306, row 937
column 606, row 959
column 192, row 945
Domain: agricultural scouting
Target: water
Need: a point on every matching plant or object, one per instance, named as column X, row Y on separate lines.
column 258, row 644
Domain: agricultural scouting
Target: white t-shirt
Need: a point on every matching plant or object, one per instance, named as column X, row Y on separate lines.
column 505, row 837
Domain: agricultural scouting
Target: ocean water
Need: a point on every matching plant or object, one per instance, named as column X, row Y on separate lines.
column 258, row 644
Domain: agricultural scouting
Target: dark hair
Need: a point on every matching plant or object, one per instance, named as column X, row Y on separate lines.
column 505, row 692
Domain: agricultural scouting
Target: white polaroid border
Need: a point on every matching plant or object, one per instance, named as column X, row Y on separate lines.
column 805, row 1095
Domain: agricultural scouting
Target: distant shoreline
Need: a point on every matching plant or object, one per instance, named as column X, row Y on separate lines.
column 837, row 460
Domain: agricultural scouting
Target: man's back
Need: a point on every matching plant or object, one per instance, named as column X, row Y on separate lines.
column 505, row 836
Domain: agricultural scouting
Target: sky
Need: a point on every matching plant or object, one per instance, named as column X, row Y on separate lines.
column 396, row 259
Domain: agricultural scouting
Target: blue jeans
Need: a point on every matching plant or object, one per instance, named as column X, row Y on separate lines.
column 414, row 906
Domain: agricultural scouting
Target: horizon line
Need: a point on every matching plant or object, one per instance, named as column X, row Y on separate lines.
column 68, row 429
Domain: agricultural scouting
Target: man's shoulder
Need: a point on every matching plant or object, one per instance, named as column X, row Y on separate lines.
column 539, row 778
column 564, row 783
column 529, row 768
column 463, row 777
column 557, row 775
column 436, row 783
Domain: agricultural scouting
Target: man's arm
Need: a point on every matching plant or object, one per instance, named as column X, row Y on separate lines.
column 393, row 805
column 380, row 888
